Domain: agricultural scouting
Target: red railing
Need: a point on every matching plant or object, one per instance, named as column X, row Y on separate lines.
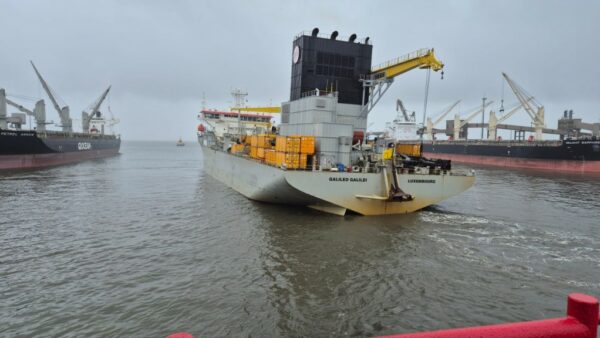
column 581, row 322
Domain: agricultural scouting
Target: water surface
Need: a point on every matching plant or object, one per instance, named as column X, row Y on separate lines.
column 146, row 244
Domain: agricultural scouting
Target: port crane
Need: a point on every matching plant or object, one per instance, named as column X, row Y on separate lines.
column 86, row 117
column 458, row 123
column 533, row 108
column 65, row 119
column 382, row 76
column 431, row 123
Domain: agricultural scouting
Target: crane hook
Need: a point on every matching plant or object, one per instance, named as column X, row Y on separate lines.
column 442, row 74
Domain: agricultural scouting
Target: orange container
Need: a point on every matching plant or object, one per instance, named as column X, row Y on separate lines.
column 408, row 149
column 292, row 144
column 237, row 148
column 307, row 145
column 292, row 160
column 253, row 152
column 260, row 152
column 254, row 141
column 270, row 156
column 280, row 142
column 279, row 158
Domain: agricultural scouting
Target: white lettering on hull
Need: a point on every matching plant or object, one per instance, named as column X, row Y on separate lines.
column 84, row 146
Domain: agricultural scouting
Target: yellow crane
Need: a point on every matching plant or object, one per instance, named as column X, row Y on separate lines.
column 381, row 77
column 422, row 58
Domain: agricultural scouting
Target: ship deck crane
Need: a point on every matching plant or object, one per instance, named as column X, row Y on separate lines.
column 400, row 108
column 87, row 117
column 493, row 121
column 431, row 124
column 65, row 119
column 534, row 109
column 458, row 124
column 39, row 112
column 382, row 76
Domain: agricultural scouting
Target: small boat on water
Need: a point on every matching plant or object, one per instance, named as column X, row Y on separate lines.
column 180, row 143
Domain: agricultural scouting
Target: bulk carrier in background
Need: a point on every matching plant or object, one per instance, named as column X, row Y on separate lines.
column 40, row 147
column 317, row 156
column 577, row 148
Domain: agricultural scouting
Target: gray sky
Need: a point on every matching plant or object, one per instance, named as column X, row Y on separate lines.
column 160, row 56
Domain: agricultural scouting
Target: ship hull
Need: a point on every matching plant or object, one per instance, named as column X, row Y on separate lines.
column 332, row 192
column 581, row 156
column 29, row 149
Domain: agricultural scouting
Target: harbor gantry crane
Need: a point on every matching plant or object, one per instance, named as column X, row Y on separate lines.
column 382, row 76
column 458, row 123
column 533, row 108
column 86, row 117
column 431, row 124
column 65, row 119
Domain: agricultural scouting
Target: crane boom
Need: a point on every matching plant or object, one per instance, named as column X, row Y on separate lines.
column 422, row 58
column 86, row 121
column 521, row 96
column 20, row 107
column 458, row 124
column 475, row 113
column 439, row 119
column 381, row 77
column 39, row 112
column 431, row 124
column 62, row 112
column 511, row 112
column 529, row 103
column 400, row 105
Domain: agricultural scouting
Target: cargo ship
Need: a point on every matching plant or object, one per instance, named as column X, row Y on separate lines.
column 576, row 149
column 39, row 147
column 318, row 156
column 571, row 155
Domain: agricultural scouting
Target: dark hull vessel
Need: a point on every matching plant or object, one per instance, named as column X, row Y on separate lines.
column 21, row 149
column 581, row 155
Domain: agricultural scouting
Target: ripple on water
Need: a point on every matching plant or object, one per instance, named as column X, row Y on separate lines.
column 146, row 244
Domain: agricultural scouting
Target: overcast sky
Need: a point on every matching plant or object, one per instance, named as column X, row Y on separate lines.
column 160, row 56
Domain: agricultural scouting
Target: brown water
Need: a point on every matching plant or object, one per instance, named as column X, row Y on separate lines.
column 146, row 244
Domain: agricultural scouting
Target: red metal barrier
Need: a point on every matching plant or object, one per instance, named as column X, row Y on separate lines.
column 581, row 322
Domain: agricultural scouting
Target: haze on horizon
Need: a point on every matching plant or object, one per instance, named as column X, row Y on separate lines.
column 161, row 56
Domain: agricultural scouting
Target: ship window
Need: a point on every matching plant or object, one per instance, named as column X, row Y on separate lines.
column 319, row 70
